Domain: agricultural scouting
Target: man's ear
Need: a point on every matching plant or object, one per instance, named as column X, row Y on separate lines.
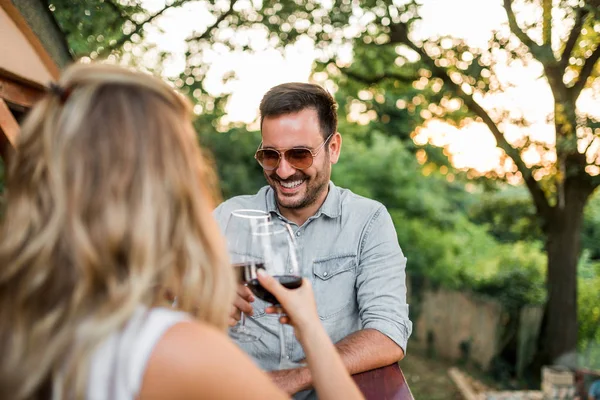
column 334, row 148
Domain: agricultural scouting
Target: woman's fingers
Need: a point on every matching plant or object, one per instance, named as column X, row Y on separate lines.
column 274, row 309
column 298, row 304
column 271, row 284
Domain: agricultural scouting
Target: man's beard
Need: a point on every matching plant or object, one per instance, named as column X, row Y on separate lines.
column 313, row 188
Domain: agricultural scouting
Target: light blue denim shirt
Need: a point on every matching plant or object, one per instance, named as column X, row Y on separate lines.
column 349, row 250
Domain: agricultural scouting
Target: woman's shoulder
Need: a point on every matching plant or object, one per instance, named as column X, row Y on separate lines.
column 195, row 359
column 193, row 346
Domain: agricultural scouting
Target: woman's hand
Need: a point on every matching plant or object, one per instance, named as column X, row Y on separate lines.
column 298, row 304
column 328, row 373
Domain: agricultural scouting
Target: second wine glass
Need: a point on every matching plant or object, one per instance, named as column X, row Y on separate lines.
column 281, row 262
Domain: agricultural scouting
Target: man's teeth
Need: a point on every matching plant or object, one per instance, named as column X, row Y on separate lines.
column 291, row 185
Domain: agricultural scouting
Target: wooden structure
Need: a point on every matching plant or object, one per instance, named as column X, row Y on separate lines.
column 32, row 52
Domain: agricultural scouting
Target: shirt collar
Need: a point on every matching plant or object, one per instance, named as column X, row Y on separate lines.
column 332, row 206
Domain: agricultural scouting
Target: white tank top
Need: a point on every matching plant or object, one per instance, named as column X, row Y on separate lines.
column 117, row 367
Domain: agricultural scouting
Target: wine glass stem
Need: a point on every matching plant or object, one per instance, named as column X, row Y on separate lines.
column 243, row 319
column 281, row 339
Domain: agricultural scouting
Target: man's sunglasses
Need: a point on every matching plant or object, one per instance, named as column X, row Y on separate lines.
column 297, row 157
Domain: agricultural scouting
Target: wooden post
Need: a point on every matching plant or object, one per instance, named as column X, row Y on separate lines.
column 8, row 124
column 19, row 91
column 9, row 130
column 21, row 95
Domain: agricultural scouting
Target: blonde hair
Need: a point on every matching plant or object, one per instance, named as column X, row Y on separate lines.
column 108, row 198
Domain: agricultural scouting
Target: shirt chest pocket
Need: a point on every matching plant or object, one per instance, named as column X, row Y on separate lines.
column 334, row 279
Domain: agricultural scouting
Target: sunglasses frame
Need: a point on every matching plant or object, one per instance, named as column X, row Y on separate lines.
column 281, row 153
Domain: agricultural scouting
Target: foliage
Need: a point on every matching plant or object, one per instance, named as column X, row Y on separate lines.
column 510, row 217
column 520, row 277
column 232, row 151
column 94, row 25
column 398, row 178
column 426, row 75
column 430, row 215
column 590, row 236
column 508, row 214
column 589, row 317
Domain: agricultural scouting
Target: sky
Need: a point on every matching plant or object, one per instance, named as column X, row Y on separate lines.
column 473, row 20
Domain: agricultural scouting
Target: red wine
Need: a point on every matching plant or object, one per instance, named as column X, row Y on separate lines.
column 245, row 272
column 288, row 281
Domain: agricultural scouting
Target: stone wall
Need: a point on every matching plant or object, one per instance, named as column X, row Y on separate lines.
column 460, row 326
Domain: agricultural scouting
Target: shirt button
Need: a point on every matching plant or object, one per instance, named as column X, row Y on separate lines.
column 324, row 273
column 291, row 270
column 288, row 357
column 298, row 233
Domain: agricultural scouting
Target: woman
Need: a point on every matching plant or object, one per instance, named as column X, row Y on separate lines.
column 109, row 206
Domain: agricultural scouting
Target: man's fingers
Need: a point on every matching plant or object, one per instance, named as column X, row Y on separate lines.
column 235, row 313
column 243, row 306
column 245, row 293
column 232, row 322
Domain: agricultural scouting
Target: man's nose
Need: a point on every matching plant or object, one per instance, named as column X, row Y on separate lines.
column 284, row 169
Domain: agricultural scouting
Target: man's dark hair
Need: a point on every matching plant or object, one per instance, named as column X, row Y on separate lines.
column 294, row 97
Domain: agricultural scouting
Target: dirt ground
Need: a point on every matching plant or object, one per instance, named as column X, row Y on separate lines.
column 428, row 379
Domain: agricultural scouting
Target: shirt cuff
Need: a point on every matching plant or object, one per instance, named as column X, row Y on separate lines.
column 398, row 332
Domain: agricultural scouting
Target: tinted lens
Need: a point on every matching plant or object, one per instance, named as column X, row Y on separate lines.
column 299, row 158
column 268, row 159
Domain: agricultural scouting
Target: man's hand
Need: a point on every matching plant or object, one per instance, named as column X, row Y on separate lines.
column 291, row 381
column 241, row 304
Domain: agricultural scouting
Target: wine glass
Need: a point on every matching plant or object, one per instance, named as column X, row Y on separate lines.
column 246, row 255
column 281, row 262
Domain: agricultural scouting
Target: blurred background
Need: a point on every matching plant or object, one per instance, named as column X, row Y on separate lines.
column 476, row 122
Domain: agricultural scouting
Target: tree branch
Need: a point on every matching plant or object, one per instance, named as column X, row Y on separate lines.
column 400, row 33
column 585, row 73
column 116, row 8
column 120, row 12
column 138, row 27
column 539, row 52
column 573, row 36
column 371, row 80
column 208, row 30
column 547, row 22
column 589, row 145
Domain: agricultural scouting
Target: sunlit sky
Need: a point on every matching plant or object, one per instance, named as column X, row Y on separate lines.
column 473, row 20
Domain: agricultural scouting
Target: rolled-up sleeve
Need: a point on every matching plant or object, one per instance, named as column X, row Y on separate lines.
column 381, row 280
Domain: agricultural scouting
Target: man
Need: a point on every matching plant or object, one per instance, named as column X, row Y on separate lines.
column 347, row 244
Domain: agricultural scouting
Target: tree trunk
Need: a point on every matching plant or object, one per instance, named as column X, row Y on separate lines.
column 563, row 246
